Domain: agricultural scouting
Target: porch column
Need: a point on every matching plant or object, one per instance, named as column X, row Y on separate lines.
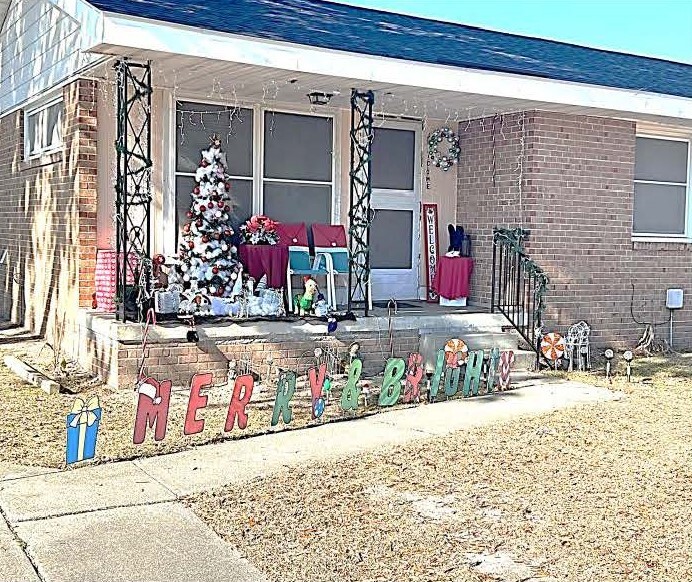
column 360, row 212
column 133, row 187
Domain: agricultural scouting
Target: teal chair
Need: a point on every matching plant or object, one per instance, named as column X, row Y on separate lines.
column 331, row 252
column 300, row 263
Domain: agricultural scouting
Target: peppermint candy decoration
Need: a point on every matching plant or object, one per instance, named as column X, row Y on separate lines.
column 553, row 346
column 454, row 347
column 435, row 142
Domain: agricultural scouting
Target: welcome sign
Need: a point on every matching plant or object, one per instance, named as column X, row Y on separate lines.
column 401, row 384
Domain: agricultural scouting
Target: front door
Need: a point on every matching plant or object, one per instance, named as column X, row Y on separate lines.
column 394, row 232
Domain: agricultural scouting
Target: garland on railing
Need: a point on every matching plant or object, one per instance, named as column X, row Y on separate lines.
column 542, row 280
column 514, row 239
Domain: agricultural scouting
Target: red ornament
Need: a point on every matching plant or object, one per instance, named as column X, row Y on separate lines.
column 191, row 245
column 199, row 222
column 189, row 214
column 186, row 228
column 211, row 204
column 228, row 186
column 204, row 163
column 227, row 232
column 220, row 292
column 227, row 208
column 215, row 270
column 202, row 208
column 196, row 190
column 205, row 239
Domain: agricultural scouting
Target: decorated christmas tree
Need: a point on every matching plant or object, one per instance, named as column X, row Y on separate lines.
column 209, row 262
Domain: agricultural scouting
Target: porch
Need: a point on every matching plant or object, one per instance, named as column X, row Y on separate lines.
column 114, row 350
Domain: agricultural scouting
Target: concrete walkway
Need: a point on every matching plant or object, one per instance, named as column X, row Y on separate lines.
column 123, row 521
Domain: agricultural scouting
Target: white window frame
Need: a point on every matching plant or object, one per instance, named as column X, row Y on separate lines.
column 686, row 236
column 41, row 110
column 174, row 154
column 258, row 201
column 168, row 215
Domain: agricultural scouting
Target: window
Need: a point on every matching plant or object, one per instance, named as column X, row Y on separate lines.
column 393, row 159
column 195, row 124
column 661, row 187
column 43, row 129
column 297, row 178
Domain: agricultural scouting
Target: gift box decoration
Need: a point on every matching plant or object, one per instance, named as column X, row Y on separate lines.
column 82, row 429
column 167, row 301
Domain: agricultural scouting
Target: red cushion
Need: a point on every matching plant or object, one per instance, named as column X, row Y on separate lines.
column 329, row 235
column 292, row 234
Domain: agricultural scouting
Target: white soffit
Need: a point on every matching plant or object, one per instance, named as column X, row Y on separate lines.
column 123, row 35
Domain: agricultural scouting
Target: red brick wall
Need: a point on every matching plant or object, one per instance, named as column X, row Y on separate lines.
column 48, row 218
column 118, row 363
column 577, row 188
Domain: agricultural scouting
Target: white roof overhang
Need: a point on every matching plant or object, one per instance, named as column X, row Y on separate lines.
column 185, row 54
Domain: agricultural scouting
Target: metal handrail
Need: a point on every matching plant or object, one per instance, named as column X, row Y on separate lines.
column 518, row 286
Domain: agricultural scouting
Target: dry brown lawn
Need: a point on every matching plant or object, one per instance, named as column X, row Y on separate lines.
column 602, row 492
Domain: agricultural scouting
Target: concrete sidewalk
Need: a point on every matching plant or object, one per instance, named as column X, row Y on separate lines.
column 122, row 521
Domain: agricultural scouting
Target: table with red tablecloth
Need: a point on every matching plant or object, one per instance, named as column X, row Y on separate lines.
column 452, row 277
column 270, row 260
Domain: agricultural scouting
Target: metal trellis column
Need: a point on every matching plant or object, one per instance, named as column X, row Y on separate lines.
column 360, row 211
column 133, row 188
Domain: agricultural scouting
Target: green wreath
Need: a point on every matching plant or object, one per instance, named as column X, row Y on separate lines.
column 435, row 139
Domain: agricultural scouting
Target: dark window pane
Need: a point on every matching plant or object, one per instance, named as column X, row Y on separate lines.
column 241, row 196
column 659, row 209
column 660, row 160
column 193, row 130
column 307, row 203
column 393, row 159
column 32, row 137
column 391, row 236
column 297, row 147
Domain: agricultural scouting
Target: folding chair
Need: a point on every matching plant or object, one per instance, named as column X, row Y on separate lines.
column 295, row 237
column 331, row 247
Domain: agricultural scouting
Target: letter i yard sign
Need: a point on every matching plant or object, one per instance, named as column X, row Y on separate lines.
column 432, row 246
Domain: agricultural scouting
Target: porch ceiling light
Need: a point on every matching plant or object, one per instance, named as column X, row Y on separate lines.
column 320, row 98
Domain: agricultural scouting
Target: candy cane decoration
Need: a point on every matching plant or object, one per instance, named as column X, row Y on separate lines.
column 553, row 347
column 505, row 367
column 151, row 320
column 456, row 352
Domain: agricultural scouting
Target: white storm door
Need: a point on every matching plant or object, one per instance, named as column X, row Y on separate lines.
column 394, row 232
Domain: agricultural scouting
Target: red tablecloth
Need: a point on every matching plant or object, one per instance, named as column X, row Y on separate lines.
column 452, row 277
column 271, row 260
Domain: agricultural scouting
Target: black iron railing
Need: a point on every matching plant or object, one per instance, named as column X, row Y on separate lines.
column 133, row 190
column 518, row 286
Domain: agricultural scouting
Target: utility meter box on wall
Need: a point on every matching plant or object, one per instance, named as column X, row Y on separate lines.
column 674, row 298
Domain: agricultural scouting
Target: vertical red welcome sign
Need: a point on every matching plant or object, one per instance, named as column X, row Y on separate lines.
column 432, row 245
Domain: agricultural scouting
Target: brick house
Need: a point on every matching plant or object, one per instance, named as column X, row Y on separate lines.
column 587, row 149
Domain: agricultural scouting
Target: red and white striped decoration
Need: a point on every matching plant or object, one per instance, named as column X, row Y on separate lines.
column 504, row 369
column 553, row 346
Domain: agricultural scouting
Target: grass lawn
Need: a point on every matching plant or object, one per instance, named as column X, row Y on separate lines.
column 602, row 492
